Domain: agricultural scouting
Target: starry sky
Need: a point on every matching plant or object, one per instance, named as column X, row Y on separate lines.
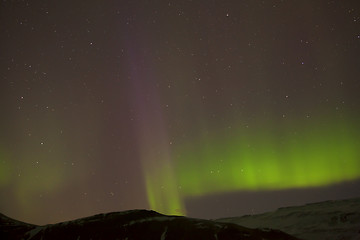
column 201, row 108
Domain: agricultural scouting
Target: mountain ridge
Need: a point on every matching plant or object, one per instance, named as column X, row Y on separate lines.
column 136, row 224
column 332, row 220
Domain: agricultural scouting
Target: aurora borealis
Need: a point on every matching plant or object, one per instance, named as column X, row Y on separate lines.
column 168, row 105
column 314, row 157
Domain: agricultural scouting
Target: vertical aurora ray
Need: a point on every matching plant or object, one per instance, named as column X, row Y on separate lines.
column 160, row 181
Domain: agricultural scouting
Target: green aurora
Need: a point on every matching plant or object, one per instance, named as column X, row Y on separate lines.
column 312, row 154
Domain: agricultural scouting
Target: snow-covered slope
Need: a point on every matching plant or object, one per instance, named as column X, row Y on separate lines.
column 335, row 220
column 140, row 224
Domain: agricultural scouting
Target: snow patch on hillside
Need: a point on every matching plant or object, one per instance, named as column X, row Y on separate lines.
column 330, row 220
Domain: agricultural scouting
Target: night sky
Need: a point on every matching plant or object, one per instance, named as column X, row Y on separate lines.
column 200, row 108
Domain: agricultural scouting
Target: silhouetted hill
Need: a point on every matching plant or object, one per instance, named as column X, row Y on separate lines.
column 13, row 229
column 135, row 224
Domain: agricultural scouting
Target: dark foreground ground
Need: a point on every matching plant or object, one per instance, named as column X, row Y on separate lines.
column 135, row 224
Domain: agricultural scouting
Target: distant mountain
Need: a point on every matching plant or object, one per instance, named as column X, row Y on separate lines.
column 135, row 224
column 335, row 220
